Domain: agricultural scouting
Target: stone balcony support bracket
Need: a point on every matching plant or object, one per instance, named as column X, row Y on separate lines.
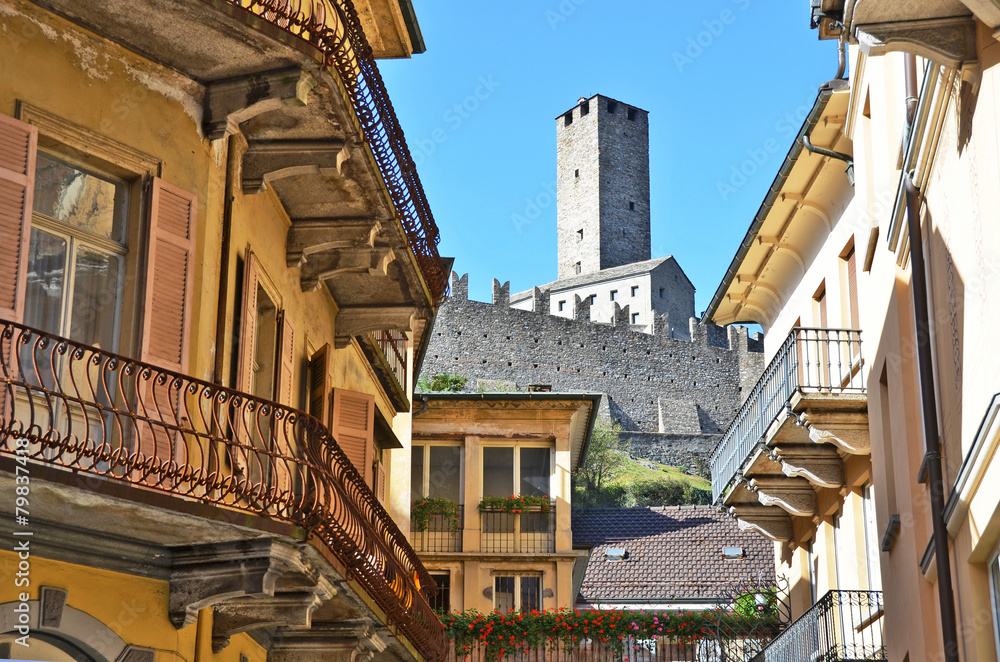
column 948, row 41
column 316, row 236
column 269, row 160
column 248, row 613
column 772, row 523
column 341, row 642
column 793, row 495
column 231, row 101
column 353, row 321
column 820, row 465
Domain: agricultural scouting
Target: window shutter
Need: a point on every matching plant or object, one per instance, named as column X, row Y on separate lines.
column 319, row 385
column 852, row 289
column 380, row 483
column 248, row 323
column 286, row 358
column 169, row 276
column 353, row 428
column 18, row 147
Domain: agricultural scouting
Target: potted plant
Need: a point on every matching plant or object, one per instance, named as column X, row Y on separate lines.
column 425, row 510
column 515, row 504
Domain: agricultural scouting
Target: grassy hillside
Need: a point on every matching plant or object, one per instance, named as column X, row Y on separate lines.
column 633, row 484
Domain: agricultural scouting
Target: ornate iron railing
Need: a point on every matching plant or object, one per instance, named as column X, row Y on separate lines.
column 443, row 534
column 843, row 626
column 333, row 27
column 530, row 532
column 810, row 360
column 392, row 344
column 78, row 407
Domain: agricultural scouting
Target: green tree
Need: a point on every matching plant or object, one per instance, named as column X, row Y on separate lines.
column 605, row 457
column 442, row 382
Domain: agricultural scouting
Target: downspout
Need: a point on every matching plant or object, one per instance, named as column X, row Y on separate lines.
column 227, row 225
column 846, row 158
column 932, row 443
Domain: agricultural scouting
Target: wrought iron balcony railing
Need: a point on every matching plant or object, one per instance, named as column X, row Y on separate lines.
column 530, row 532
column 334, row 28
column 843, row 626
column 443, row 534
column 810, row 360
column 81, row 408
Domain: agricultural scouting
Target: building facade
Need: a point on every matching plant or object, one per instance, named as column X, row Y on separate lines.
column 217, row 270
column 873, row 461
column 474, row 451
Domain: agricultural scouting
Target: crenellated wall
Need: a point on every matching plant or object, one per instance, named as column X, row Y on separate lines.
column 653, row 383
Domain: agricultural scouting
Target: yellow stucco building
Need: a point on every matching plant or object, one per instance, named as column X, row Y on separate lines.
column 217, row 271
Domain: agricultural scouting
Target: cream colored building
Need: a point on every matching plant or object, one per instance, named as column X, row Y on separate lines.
column 837, row 468
column 467, row 446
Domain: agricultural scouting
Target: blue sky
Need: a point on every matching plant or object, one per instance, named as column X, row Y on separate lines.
column 723, row 81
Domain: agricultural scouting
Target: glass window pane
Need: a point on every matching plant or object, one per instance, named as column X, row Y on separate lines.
column 498, row 471
column 535, row 471
column 266, row 346
column 503, row 593
column 95, row 298
column 416, row 473
column 46, row 281
column 444, row 472
column 531, row 593
column 82, row 199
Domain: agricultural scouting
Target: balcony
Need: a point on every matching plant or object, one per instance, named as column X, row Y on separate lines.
column 803, row 418
column 386, row 351
column 443, row 534
column 844, row 626
column 91, row 420
column 529, row 532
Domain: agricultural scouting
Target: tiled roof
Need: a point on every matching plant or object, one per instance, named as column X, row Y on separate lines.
column 612, row 273
column 673, row 553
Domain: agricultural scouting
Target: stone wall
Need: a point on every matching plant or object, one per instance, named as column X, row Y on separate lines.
column 653, row 383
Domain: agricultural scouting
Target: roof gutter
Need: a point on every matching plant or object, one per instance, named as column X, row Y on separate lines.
column 412, row 27
column 772, row 196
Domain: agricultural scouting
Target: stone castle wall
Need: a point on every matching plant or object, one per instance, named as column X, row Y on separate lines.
column 653, row 383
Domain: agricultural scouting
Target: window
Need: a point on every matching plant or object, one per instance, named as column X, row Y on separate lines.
column 663, row 292
column 517, row 592
column 562, row 306
column 576, row 173
column 635, row 318
column 819, row 306
column 850, row 272
column 593, row 299
column 77, row 252
column 872, row 542
column 612, row 107
column 441, row 603
column 631, row 206
column 631, row 114
column 577, row 267
column 524, row 470
column 579, row 234
column 635, row 290
column 568, row 118
column 614, row 295
column 436, row 471
column 584, row 108
column 813, row 562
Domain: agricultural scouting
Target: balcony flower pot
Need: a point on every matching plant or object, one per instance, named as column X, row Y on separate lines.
column 515, row 504
column 426, row 510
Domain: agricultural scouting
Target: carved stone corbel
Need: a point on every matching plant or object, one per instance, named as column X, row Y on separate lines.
column 268, row 160
column 772, row 523
column 308, row 237
column 948, row 41
column 334, row 642
column 353, row 321
column 794, row 495
column 249, row 613
column 820, row 465
column 232, row 101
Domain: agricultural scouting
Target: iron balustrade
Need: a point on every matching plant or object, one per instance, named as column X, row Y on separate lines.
column 333, row 27
column 443, row 534
column 392, row 344
column 530, row 532
column 843, row 626
column 78, row 407
column 810, row 360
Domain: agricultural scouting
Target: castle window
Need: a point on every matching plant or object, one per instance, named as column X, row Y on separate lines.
column 612, row 107
column 562, row 305
column 662, row 290
column 614, row 295
column 584, row 108
column 579, row 234
column 631, row 114
column 577, row 267
column 631, row 206
column 568, row 118
column 593, row 299
column 635, row 318
column 576, row 173
column 635, row 290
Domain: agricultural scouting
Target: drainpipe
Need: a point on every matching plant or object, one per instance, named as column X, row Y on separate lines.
column 932, row 442
column 846, row 158
column 910, row 75
column 227, row 225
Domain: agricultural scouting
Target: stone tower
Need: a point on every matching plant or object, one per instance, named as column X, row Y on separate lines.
column 602, row 185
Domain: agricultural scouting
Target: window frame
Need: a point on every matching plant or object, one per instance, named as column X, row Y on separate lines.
column 993, row 572
column 425, row 478
column 518, row 575
column 517, row 446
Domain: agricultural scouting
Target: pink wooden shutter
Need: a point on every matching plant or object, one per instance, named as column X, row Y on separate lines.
column 18, row 147
column 169, row 284
column 353, row 428
column 169, row 276
column 248, row 323
column 319, row 385
column 286, row 358
column 380, row 483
